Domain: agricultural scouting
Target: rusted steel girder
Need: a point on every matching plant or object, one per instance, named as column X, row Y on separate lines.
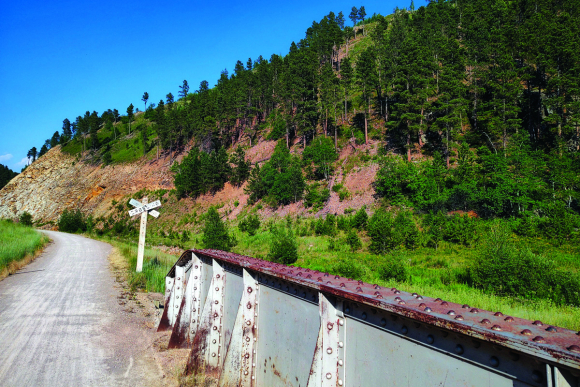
column 363, row 319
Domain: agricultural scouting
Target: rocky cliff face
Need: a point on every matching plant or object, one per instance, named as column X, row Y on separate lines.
column 57, row 181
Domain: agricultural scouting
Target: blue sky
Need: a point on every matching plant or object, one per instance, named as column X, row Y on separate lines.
column 60, row 59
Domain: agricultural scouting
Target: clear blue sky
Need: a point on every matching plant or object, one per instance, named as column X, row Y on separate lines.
column 59, row 59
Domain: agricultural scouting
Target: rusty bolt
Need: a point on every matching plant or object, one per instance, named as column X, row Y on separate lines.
column 422, row 305
column 526, row 332
column 329, row 376
column 217, row 302
column 359, row 289
column 398, row 298
column 377, row 287
column 430, row 339
column 551, row 329
column 414, row 294
column 214, row 341
column 459, row 317
column 196, row 266
column 451, row 313
column 485, row 321
column 465, row 306
column 474, row 310
column 496, row 328
column 444, row 303
column 574, row 348
column 249, row 289
column 509, row 319
column 342, row 285
column 329, row 350
column 329, row 326
column 215, row 314
column 309, row 276
column 247, row 355
column 249, row 305
column 393, row 289
column 248, row 339
column 178, row 278
column 402, row 302
column 217, row 276
column 215, row 328
column 539, row 339
column 248, row 323
column 336, row 277
column 459, row 349
column 319, row 279
column 193, row 321
column 217, row 289
column 427, row 309
column 326, row 274
column 537, row 323
column 419, row 297
column 213, row 354
column 178, row 288
column 494, row 361
column 397, row 292
column 246, row 372
column 498, row 314
column 360, row 282
column 438, row 299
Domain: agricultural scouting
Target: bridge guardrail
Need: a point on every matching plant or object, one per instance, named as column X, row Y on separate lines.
column 251, row 322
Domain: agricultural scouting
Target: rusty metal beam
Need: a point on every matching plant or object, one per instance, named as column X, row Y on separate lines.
column 324, row 330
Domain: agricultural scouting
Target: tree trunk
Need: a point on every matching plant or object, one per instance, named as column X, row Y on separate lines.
column 421, row 131
column 408, row 146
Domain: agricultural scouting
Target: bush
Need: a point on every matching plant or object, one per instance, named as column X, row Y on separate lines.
column 283, row 248
column 352, row 240
column 25, row 219
column 360, row 219
column 72, row 221
column 349, row 269
column 215, row 232
column 501, row 268
column 250, row 224
column 394, row 268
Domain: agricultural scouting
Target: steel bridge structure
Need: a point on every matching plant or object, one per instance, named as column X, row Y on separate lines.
column 254, row 323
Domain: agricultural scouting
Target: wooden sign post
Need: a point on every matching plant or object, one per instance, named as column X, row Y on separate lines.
column 143, row 209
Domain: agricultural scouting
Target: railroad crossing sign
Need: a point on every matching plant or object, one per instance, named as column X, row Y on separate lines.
column 143, row 209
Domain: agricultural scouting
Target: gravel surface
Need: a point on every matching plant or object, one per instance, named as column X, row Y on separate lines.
column 64, row 322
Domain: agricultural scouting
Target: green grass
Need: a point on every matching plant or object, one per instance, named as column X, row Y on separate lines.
column 156, row 265
column 17, row 242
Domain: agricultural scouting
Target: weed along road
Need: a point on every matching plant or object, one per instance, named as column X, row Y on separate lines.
column 61, row 324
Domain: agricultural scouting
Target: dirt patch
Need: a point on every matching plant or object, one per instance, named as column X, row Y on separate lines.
column 143, row 311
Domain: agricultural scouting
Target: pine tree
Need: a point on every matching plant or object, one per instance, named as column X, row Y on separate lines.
column 145, row 98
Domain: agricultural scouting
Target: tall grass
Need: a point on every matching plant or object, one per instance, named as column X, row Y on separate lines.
column 18, row 242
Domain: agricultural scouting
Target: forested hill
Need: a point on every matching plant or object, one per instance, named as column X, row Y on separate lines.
column 488, row 92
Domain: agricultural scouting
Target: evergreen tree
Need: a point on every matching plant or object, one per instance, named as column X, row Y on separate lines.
column 215, row 232
column 145, row 98
column 130, row 116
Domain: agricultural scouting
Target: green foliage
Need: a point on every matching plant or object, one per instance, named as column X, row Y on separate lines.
column 241, row 169
column 321, row 152
column 25, row 219
column 215, row 232
column 72, row 221
column 6, row 174
column 316, row 196
column 200, row 172
column 283, row 247
column 349, row 268
column 360, row 219
column 394, row 267
column 352, row 240
column 504, row 269
column 388, row 233
column 250, row 224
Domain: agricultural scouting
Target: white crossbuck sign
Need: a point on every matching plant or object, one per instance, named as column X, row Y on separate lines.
column 140, row 208
column 143, row 209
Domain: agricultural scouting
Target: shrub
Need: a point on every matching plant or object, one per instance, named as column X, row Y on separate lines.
column 381, row 230
column 283, row 247
column 501, row 268
column 348, row 268
column 25, row 219
column 215, row 232
column 352, row 240
column 343, row 223
column 72, row 221
column 250, row 224
column 394, row 268
column 360, row 219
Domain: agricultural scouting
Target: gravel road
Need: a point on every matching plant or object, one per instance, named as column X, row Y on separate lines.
column 62, row 325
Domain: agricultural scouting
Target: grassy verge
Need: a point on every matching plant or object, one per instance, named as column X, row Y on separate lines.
column 156, row 265
column 18, row 246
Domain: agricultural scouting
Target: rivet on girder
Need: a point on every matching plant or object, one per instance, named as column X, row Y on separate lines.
column 427, row 309
column 215, row 328
column 485, row 321
column 465, row 306
column 217, row 289
column 364, row 316
column 539, row 339
column 248, row 339
column 498, row 314
column 494, row 361
column 474, row 310
column 329, row 350
column 248, row 323
column 451, row 313
column 574, row 348
column 340, row 322
column 246, row 372
column 551, row 329
column 217, row 276
column 405, row 330
column 459, row 317
column 340, row 382
column 340, row 363
column 496, row 328
column 383, row 322
column 430, row 339
column 217, row 302
column 249, row 289
column 329, row 326
column 459, row 349
column 329, row 376
column 340, row 344
column 215, row 315
column 537, row 323
column 526, row 332
column 214, row 341
column 247, row 355
column 213, row 354
column 195, row 277
column 537, row 377
column 509, row 319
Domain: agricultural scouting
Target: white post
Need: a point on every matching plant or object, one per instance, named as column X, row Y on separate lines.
column 142, row 231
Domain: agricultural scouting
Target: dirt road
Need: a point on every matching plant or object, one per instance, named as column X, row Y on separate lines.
column 61, row 323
